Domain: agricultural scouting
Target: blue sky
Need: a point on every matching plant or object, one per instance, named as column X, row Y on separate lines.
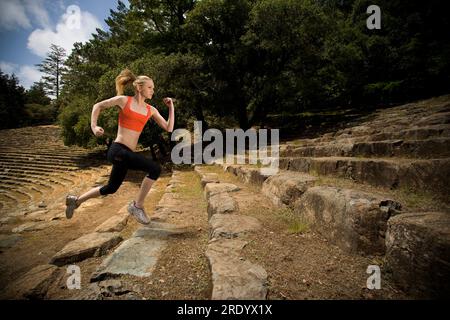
column 28, row 27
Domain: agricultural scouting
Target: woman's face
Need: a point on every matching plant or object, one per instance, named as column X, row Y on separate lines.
column 147, row 89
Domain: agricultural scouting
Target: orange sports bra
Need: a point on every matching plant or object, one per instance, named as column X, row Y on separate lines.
column 133, row 120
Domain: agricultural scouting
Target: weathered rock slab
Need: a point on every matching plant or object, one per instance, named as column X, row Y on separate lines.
column 136, row 256
column 209, row 178
column 354, row 220
column 221, row 203
column 232, row 226
column 34, row 284
column 286, row 187
column 114, row 224
column 418, row 253
column 215, row 188
column 233, row 277
column 92, row 244
column 8, row 241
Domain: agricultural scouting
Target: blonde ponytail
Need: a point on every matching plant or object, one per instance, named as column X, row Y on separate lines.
column 126, row 77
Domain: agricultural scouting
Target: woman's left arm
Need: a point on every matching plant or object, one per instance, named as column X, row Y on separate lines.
column 166, row 125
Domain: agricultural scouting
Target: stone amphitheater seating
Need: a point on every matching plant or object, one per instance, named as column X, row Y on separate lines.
column 406, row 148
column 35, row 166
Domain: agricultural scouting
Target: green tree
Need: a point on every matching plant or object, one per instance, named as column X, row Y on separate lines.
column 54, row 68
column 287, row 39
column 39, row 108
column 163, row 21
column 213, row 30
column 36, row 94
column 12, row 100
column 233, row 62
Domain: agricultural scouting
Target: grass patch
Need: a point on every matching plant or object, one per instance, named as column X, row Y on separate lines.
column 419, row 199
column 294, row 223
column 297, row 143
column 313, row 172
column 192, row 187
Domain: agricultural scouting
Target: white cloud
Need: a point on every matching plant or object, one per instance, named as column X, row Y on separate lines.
column 38, row 12
column 26, row 74
column 8, row 67
column 12, row 15
column 74, row 26
column 16, row 14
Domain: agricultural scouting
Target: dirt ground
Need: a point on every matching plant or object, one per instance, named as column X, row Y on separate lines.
column 300, row 263
column 181, row 272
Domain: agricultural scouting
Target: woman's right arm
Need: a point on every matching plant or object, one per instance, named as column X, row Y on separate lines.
column 99, row 106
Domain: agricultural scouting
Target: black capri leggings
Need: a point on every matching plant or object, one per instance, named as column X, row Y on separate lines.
column 123, row 158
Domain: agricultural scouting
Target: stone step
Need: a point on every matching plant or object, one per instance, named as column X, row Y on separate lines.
column 42, row 187
column 40, row 182
column 28, row 160
column 414, row 133
column 26, row 194
column 388, row 173
column 36, row 173
column 90, row 245
column 38, row 167
column 139, row 254
column 355, row 221
column 284, row 188
column 33, row 226
column 295, row 190
column 221, row 203
column 59, row 154
column 247, row 174
column 7, row 197
column 368, row 224
column 54, row 154
column 54, row 162
column 435, row 119
column 116, row 223
column 44, row 148
column 34, row 284
column 42, row 152
column 43, row 155
column 47, row 164
column 16, row 196
column 44, row 177
column 25, row 188
column 31, row 196
column 364, row 133
column 429, row 148
column 212, row 189
column 232, row 277
column 418, row 253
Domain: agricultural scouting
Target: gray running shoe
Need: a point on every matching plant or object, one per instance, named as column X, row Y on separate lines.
column 138, row 213
column 71, row 203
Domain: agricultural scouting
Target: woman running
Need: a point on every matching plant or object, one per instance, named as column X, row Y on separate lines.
column 133, row 116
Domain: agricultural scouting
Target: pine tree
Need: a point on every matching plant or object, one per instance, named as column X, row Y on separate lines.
column 54, row 68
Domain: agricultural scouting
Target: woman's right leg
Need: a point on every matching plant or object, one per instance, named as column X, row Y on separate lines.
column 116, row 178
column 93, row 193
column 118, row 173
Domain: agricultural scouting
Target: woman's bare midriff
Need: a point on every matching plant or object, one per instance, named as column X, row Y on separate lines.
column 127, row 137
